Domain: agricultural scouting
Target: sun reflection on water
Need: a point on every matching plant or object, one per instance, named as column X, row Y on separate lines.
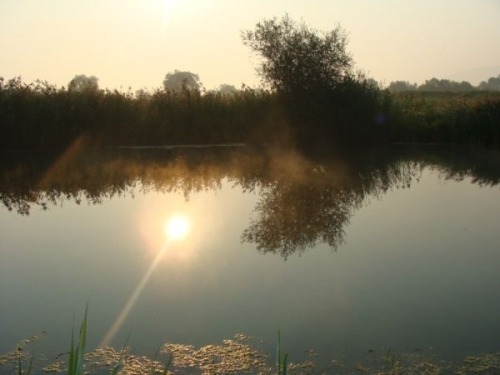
column 177, row 228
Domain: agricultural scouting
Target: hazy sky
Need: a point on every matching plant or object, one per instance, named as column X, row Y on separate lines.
column 136, row 42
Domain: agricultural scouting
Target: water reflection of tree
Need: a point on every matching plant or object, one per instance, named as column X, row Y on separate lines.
column 293, row 217
column 302, row 202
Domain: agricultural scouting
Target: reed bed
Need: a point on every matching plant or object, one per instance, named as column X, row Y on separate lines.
column 41, row 116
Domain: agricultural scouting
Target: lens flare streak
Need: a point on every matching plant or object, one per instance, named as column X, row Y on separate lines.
column 176, row 229
column 133, row 298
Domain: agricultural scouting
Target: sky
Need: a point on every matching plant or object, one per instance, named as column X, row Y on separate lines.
column 135, row 43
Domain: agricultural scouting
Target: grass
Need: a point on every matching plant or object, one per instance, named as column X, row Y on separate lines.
column 168, row 363
column 77, row 351
column 19, row 365
column 281, row 361
column 391, row 363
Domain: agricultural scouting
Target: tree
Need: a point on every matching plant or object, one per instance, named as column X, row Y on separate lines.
column 297, row 58
column 440, row 85
column 226, row 89
column 462, row 86
column 83, row 83
column 372, row 83
column 493, row 84
column 182, row 81
column 143, row 94
column 432, row 84
column 399, row 86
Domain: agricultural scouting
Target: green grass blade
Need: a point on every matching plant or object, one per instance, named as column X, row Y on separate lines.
column 387, row 361
column 117, row 367
column 71, row 360
column 281, row 362
column 30, row 366
column 82, row 342
column 167, row 364
column 278, row 352
column 19, row 365
column 77, row 353
column 284, row 364
column 119, row 364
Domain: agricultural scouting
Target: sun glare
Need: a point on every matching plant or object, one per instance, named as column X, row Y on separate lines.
column 177, row 227
column 167, row 8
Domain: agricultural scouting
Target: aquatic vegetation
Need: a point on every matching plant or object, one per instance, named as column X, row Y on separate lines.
column 123, row 362
column 17, row 356
column 281, row 361
column 20, row 370
column 480, row 364
column 391, row 363
column 232, row 356
column 243, row 354
column 77, row 351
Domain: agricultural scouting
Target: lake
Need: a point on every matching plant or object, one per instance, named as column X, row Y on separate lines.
column 363, row 261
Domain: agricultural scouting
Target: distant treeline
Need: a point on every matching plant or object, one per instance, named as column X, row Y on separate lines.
column 445, row 85
column 41, row 116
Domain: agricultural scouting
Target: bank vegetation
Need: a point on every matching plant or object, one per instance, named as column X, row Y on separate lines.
column 310, row 98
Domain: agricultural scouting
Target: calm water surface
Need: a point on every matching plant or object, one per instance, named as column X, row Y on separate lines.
column 348, row 257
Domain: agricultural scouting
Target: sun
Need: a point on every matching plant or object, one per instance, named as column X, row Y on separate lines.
column 168, row 6
column 177, row 227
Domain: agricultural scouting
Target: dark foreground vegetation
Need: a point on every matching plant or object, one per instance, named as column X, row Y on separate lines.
column 311, row 99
